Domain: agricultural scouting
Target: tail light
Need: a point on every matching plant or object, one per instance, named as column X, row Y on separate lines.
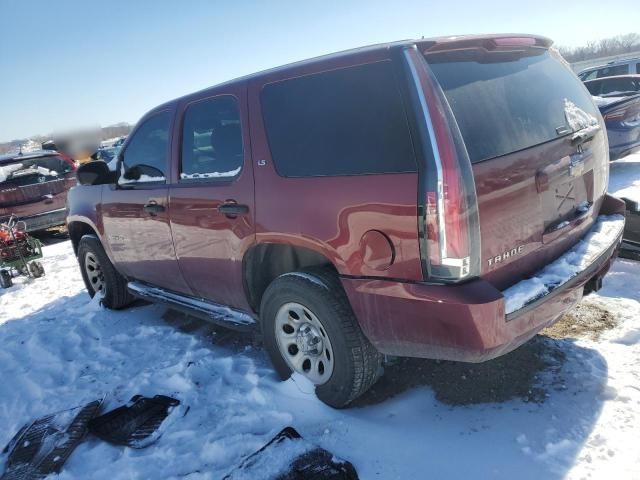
column 615, row 115
column 451, row 243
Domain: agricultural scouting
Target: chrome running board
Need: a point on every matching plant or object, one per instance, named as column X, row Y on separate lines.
column 212, row 312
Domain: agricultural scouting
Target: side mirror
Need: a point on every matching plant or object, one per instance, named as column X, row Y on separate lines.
column 95, row 173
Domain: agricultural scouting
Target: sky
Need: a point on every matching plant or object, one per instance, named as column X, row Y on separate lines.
column 77, row 63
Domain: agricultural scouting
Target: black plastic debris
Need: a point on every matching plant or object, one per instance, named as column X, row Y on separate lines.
column 135, row 424
column 43, row 446
column 630, row 247
column 307, row 462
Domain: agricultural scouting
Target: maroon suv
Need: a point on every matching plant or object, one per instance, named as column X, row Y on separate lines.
column 33, row 187
column 440, row 198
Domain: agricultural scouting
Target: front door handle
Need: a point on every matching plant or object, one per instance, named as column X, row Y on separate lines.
column 153, row 208
column 232, row 209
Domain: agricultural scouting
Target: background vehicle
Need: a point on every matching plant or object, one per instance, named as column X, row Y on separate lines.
column 33, row 187
column 376, row 201
column 622, row 119
column 619, row 67
column 621, row 85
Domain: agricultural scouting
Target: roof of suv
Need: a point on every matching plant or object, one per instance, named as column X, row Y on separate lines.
column 10, row 157
column 612, row 63
column 631, row 76
column 431, row 44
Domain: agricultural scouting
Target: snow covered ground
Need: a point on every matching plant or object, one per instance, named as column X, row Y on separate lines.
column 624, row 179
column 580, row 418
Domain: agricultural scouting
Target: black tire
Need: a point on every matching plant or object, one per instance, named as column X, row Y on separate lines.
column 356, row 363
column 115, row 293
column 36, row 269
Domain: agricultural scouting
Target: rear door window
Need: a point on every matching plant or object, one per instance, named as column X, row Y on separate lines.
column 614, row 85
column 30, row 171
column 145, row 158
column 349, row 121
column 594, row 87
column 505, row 102
column 612, row 71
column 211, row 140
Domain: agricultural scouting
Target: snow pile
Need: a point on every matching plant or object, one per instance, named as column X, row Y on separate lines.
column 603, row 233
column 7, row 170
column 231, row 173
column 577, row 118
column 143, row 178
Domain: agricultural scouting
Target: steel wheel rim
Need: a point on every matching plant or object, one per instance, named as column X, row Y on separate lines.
column 94, row 273
column 303, row 342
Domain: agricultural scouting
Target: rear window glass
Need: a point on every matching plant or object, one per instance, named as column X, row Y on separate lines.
column 344, row 122
column 505, row 103
column 29, row 171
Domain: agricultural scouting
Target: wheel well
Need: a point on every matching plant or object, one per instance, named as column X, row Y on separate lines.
column 76, row 231
column 265, row 262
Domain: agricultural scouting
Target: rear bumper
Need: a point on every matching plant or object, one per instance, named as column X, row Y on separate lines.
column 467, row 322
column 45, row 220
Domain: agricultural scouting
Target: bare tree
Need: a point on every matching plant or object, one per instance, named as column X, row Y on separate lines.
column 605, row 47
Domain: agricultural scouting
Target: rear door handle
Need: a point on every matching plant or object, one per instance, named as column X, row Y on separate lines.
column 153, row 208
column 232, row 209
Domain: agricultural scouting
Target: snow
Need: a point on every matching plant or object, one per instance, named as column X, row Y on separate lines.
column 143, row 178
column 230, row 173
column 604, row 101
column 601, row 236
column 59, row 349
column 7, row 170
column 577, row 118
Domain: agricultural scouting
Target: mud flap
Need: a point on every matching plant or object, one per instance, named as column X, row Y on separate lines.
column 302, row 461
column 42, row 447
column 135, row 424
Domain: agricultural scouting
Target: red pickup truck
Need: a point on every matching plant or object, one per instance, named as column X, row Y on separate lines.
column 33, row 187
column 440, row 198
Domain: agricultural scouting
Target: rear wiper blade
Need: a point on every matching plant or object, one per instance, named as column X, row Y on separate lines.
column 584, row 135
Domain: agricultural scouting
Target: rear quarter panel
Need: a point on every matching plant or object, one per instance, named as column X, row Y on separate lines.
column 330, row 215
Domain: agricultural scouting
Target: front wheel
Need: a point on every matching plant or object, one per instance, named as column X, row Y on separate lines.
column 309, row 328
column 99, row 275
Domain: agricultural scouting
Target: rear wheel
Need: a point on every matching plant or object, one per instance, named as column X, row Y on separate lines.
column 309, row 328
column 99, row 275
